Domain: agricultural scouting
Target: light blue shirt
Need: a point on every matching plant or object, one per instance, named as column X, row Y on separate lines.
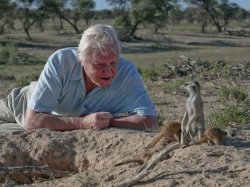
column 61, row 90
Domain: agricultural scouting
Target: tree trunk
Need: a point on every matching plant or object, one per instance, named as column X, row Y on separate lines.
column 203, row 27
column 72, row 24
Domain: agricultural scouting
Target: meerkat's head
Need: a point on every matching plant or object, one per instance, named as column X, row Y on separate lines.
column 230, row 131
column 192, row 87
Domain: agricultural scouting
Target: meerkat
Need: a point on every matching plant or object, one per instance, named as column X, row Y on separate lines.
column 142, row 159
column 193, row 123
column 214, row 135
column 170, row 132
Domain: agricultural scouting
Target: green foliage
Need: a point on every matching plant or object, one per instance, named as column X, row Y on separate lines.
column 217, row 68
column 231, row 114
column 232, row 95
column 235, row 100
column 150, row 73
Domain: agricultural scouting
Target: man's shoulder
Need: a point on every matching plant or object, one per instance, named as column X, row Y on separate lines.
column 64, row 57
column 126, row 63
column 68, row 52
column 65, row 61
column 126, row 72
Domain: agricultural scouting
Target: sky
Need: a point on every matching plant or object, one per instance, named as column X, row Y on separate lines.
column 102, row 4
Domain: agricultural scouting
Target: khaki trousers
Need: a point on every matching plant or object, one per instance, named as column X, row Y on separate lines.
column 13, row 108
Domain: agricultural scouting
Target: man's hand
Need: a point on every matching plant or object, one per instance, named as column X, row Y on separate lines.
column 98, row 120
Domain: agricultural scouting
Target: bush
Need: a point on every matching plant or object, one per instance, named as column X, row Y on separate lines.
column 233, row 95
column 150, row 73
column 232, row 114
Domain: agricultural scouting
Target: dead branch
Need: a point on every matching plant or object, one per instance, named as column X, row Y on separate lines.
column 31, row 171
column 147, row 167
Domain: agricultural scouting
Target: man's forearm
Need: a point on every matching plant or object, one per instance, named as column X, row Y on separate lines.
column 43, row 120
column 135, row 122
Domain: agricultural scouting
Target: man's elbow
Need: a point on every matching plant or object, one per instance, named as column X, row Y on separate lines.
column 28, row 125
column 31, row 120
column 150, row 122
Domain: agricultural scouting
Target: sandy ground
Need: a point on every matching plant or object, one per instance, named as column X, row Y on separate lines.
column 82, row 158
column 90, row 156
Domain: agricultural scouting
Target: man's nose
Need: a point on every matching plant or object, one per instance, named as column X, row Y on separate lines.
column 108, row 69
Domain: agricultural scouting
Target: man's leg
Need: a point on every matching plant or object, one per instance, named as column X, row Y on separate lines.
column 7, row 120
column 9, row 127
column 13, row 108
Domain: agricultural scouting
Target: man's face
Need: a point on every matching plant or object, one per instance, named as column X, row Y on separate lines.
column 101, row 72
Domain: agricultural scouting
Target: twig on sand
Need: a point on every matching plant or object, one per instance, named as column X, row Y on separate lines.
column 145, row 169
column 25, row 171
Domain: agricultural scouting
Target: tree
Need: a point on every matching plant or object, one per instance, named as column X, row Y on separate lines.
column 227, row 11
column 210, row 7
column 104, row 14
column 220, row 11
column 27, row 14
column 82, row 8
column 64, row 8
column 162, row 9
column 202, row 18
column 121, row 11
column 141, row 12
column 194, row 14
column 6, row 15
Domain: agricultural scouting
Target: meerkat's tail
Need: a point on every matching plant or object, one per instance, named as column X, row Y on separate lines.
column 139, row 161
column 155, row 141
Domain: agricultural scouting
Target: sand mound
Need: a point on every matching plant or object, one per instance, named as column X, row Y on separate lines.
column 89, row 156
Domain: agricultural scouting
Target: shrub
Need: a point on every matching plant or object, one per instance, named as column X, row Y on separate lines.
column 233, row 95
column 231, row 114
column 150, row 73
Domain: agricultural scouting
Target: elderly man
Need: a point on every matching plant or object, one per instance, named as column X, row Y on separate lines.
column 81, row 88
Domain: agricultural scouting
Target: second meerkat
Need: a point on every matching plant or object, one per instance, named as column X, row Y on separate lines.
column 193, row 123
column 213, row 135
column 216, row 136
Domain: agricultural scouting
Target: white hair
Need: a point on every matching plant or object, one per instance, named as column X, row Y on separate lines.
column 96, row 41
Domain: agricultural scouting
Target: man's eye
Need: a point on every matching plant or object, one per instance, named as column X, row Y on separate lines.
column 113, row 64
column 99, row 66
